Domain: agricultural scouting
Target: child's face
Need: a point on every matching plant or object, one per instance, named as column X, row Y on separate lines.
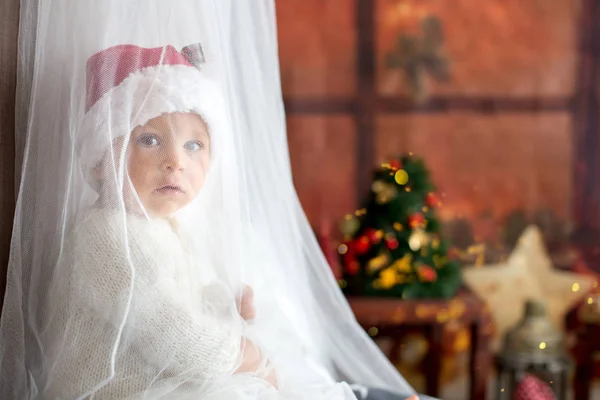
column 167, row 161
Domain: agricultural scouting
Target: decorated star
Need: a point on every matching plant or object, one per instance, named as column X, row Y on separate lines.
column 561, row 290
column 527, row 274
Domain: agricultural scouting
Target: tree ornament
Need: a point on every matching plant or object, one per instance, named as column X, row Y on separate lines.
column 426, row 273
column 348, row 252
column 352, row 267
column 416, row 220
column 362, row 245
column 395, row 165
column 349, row 225
column 388, row 278
column 432, row 200
column 392, row 243
column 404, row 264
column 418, row 238
column 386, row 194
column 377, row 186
column 401, row 177
column 374, row 235
column 375, row 264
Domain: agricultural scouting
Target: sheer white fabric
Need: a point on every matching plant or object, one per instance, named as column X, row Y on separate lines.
column 155, row 188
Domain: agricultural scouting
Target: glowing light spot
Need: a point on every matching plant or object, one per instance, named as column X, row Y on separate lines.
column 401, row 177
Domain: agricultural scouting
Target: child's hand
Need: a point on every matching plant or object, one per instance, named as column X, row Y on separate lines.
column 252, row 359
column 246, row 307
column 413, row 397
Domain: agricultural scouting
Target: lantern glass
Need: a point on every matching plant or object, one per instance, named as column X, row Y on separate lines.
column 533, row 347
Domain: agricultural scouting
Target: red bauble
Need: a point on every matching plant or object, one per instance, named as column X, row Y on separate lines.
column 427, row 274
column 352, row 267
column 432, row 200
column 362, row 245
column 416, row 220
column 392, row 243
column 374, row 235
column 395, row 165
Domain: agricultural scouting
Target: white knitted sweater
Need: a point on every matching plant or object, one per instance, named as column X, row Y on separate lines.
column 167, row 337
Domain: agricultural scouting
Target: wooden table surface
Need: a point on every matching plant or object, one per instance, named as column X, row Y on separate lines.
column 393, row 317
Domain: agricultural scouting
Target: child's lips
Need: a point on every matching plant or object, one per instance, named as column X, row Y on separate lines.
column 170, row 189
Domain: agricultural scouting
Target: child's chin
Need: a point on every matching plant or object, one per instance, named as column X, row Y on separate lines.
column 165, row 210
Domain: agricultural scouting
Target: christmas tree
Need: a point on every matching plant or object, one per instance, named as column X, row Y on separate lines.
column 392, row 246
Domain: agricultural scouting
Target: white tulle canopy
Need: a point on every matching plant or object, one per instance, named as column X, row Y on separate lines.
column 159, row 248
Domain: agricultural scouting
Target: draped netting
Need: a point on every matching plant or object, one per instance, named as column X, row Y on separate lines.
column 159, row 247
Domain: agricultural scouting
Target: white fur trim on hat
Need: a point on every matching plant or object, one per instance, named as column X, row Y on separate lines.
column 142, row 96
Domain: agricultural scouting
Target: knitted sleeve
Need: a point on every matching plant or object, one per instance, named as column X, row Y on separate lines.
column 117, row 272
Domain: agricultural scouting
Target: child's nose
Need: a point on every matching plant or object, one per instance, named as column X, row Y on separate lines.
column 174, row 160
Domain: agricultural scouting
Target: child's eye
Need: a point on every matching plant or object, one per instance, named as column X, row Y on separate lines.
column 148, row 140
column 193, row 146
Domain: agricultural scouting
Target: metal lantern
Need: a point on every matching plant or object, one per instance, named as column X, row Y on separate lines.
column 533, row 347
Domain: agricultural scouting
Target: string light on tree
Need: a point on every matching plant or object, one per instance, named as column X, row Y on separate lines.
column 417, row 239
column 343, row 248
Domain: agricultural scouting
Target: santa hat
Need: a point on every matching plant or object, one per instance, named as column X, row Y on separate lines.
column 127, row 86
